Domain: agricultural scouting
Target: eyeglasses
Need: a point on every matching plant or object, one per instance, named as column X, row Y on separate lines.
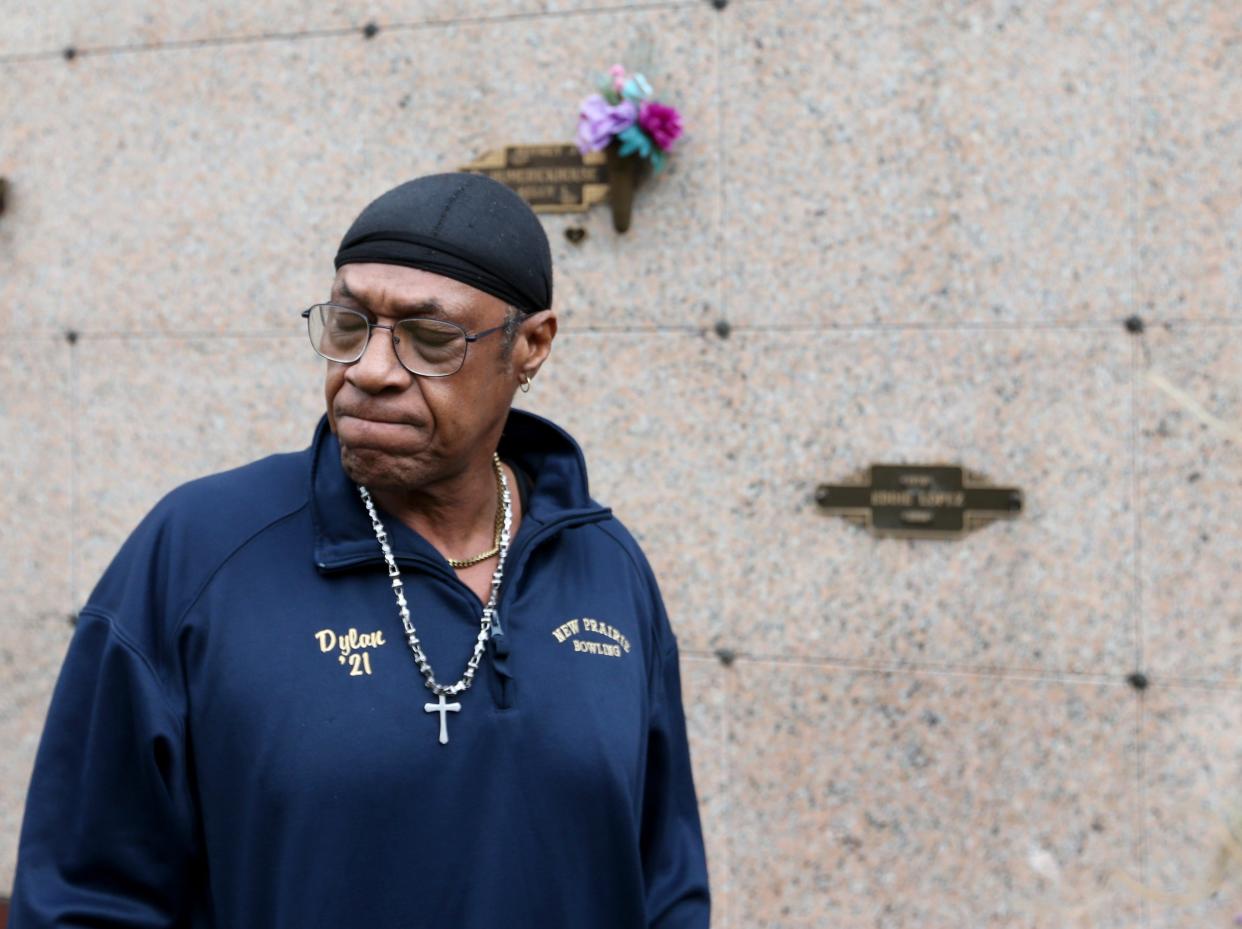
column 426, row 347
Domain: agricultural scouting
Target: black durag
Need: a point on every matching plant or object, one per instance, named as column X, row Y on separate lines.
column 464, row 226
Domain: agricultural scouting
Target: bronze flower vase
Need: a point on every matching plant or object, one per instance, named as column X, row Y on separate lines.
column 623, row 176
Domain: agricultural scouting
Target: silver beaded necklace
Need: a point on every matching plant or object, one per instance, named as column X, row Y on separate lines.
column 485, row 624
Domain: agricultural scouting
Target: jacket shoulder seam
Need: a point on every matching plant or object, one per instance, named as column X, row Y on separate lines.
column 118, row 632
column 608, row 527
column 214, row 572
column 628, row 544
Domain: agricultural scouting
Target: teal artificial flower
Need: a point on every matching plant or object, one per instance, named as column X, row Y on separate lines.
column 636, row 142
column 636, row 88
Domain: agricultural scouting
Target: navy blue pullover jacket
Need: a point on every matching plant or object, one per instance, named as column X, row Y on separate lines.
column 238, row 736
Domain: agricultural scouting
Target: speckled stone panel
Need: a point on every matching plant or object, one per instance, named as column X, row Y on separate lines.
column 899, row 800
column 32, row 647
column 30, row 26
column 1044, row 411
column 36, row 494
column 156, row 413
column 207, row 189
column 36, row 597
column 1190, row 435
column 703, row 684
column 1189, row 147
column 35, row 265
column 907, row 162
column 646, row 408
column 845, row 164
column 1192, row 771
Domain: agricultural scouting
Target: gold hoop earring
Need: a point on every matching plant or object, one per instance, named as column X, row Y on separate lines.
column 525, row 384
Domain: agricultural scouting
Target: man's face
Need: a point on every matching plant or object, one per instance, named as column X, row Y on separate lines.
column 399, row 431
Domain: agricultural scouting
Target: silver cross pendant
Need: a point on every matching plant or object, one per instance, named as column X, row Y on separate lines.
column 443, row 707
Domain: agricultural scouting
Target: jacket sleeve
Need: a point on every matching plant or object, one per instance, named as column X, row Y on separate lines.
column 107, row 838
column 674, row 862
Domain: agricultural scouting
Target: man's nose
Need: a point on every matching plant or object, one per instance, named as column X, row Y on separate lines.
column 378, row 368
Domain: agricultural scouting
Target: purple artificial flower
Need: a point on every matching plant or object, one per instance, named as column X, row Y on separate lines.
column 599, row 121
column 662, row 123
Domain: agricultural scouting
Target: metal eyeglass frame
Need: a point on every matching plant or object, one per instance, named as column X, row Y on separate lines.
column 465, row 333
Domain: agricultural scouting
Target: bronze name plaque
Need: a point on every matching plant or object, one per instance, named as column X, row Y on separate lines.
column 551, row 178
column 920, row 501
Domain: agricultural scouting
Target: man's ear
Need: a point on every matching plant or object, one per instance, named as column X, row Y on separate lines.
column 534, row 342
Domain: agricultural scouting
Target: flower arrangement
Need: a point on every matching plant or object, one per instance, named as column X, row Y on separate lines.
column 624, row 111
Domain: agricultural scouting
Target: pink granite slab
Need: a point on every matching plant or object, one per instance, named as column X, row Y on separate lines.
column 909, row 799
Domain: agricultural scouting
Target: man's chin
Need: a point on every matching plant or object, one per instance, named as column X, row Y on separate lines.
column 378, row 469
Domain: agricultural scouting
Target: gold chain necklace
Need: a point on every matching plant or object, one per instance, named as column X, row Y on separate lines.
column 500, row 522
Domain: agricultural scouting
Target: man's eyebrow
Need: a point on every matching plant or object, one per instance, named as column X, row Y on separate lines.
column 428, row 307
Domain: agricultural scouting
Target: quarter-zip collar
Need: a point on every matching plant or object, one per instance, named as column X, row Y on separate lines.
column 559, row 496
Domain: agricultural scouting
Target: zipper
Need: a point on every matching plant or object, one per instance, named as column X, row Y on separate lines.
column 534, row 540
column 501, row 680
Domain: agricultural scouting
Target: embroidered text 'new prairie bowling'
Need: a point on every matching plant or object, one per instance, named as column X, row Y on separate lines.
column 570, row 630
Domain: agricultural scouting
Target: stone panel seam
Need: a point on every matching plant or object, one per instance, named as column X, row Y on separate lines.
column 1136, row 499
column 299, row 332
column 944, row 670
column 1136, row 342
column 1140, row 800
column 1140, row 358
column 1140, row 814
column 1185, row 684
column 700, row 654
column 983, row 325
column 689, row 329
column 722, row 246
column 696, row 656
column 1208, row 322
column 338, row 31
column 644, row 329
column 726, row 764
column 947, row 325
column 189, row 335
column 74, row 471
column 1190, row 684
column 664, row 328
column 179, row 44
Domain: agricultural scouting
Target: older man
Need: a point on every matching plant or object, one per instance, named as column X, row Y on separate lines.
column 413, row 676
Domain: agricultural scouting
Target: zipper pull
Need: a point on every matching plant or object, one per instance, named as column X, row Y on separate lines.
column 497, row 640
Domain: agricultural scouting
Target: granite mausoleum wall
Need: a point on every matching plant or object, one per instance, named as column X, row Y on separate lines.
column 896, row 231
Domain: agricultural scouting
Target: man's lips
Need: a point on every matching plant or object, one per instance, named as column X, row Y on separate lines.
column 367, row 429
column 378, row 418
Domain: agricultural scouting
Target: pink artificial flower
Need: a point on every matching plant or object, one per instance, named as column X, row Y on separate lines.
column 617, row 73
column 599, row 121
column 662, row 123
